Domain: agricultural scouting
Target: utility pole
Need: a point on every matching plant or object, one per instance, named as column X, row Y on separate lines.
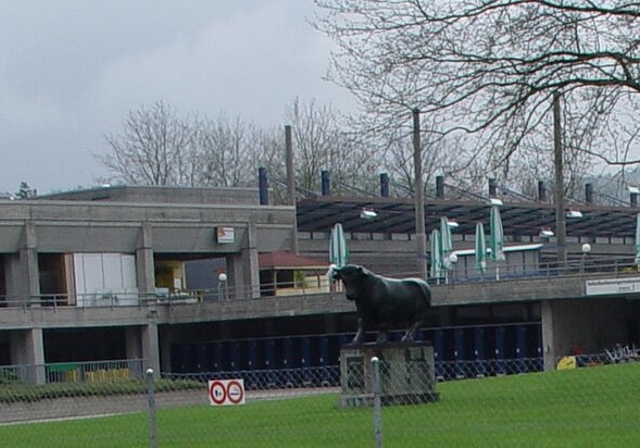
column 421, row 234
column 291, row 186
column 558, row 163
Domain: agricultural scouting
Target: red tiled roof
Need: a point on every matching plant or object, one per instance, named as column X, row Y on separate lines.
column 288, row 260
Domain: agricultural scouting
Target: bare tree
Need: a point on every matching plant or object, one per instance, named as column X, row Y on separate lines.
column 153, row 149
column 321, row 142
column 440, row 156
column 229, row 152
column 488, row 69
column 156, row 147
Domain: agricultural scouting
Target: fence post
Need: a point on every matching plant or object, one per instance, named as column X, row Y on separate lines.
column 153, row 442
column 377, row 413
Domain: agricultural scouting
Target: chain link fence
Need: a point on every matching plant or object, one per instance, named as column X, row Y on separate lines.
column 589, row 401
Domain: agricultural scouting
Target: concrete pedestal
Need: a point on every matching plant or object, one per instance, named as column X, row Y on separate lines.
column 406, row 374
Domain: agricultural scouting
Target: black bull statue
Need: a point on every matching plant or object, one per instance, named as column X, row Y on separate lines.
column 383, row 302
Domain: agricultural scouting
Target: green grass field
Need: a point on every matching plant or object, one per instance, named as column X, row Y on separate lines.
column 588, row 407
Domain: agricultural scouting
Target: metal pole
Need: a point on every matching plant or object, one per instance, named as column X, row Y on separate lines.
column 421, row 235
column 291, row 185
column 561, row 224
column 153, row 440
column 377, row 412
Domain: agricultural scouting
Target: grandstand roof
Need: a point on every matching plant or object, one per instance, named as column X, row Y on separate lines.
column 394, row 215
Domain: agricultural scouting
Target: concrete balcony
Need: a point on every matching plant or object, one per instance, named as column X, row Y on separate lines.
column 512, row 290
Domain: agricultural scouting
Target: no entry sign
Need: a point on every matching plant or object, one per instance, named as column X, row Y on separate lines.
column 226, row 392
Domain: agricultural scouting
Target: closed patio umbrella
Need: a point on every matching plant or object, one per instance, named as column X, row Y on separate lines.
column 446, row 244
column 496, row 241
column 481, row 249
column 436, row 261
column 338, row 249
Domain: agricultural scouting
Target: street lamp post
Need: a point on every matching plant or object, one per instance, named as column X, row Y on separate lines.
column 421, row 236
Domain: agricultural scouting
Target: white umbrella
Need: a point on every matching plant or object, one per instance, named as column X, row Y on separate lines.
column 496, row 241
column 436, row 260
column 481, row 249
column 638, row 240
column 338, row 250
column 446, row 245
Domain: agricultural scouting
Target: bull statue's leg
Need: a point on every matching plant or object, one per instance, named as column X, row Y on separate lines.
column 409, row 335
column 383, row 336
column 359, row 337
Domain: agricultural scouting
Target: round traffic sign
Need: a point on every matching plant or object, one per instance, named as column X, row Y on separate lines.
column 235, row 392
column 217, row 392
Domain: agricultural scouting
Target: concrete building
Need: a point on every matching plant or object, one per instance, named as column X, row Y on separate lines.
column 97, row 264
column 103, row 274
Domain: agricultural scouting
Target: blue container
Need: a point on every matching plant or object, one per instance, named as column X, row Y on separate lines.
column 458, row 352
column 521, row 348
column 479, row 352
column 500, row 350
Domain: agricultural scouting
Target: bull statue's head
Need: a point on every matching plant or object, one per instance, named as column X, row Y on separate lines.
column 352, row 277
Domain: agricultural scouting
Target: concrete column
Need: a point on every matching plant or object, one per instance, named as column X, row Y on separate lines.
column 243, row 270
column 27, row 350
column 145, row 269
column 235, row 278
column 548, row 332
column 251, row 263
column 21, row 269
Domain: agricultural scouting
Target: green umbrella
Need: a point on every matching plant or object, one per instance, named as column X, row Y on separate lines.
column 446, row 244
column 436, row 260
column 638, row 239
column 338, row 250
column 481, row 249
column 496, row 241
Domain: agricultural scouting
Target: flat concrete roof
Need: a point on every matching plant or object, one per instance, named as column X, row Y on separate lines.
column 160, row 194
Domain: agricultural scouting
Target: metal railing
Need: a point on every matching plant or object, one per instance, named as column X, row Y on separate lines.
column 582, row 267
column 73, row 372
column 113, row 371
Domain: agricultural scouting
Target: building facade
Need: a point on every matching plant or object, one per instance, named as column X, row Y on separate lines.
column 66, row 259
column 108, row 274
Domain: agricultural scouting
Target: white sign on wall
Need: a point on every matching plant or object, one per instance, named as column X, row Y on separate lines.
column 226, row 392
column 609, row 286
column 225, row 235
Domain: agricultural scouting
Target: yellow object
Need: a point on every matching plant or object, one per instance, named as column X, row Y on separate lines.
column 104, row 375
column 71, row 376
column 568, row 362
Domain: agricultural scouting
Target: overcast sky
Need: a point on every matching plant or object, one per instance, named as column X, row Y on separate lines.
column 71, row 70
